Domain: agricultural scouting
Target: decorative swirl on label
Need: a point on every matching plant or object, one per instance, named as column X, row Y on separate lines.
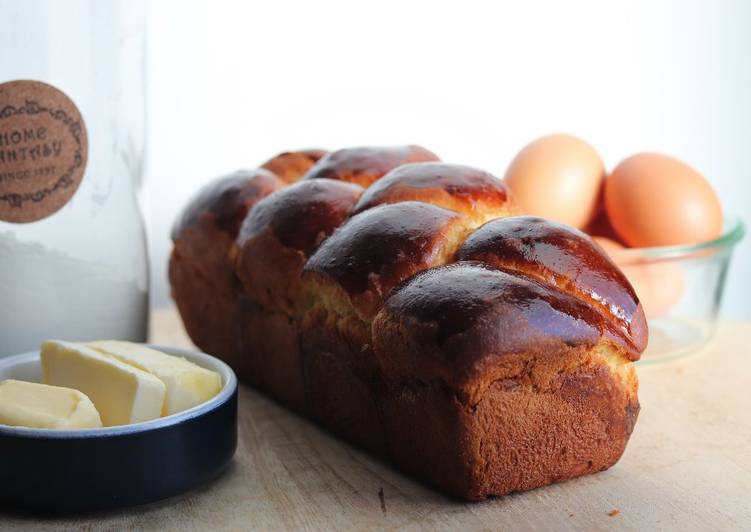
column 43, row 150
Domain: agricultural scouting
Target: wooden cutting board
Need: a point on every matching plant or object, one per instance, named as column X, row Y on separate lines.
column 688, row 466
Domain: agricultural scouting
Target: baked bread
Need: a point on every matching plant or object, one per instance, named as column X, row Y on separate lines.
column 406, row 305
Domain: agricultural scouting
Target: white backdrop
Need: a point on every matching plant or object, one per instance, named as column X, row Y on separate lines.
column 233, row 83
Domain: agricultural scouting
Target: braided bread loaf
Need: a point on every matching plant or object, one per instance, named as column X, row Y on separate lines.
column 403, row 303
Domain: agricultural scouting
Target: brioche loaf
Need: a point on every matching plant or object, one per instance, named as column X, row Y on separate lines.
column 405, row 304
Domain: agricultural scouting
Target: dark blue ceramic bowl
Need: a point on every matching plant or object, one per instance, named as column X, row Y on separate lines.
column 66, row 471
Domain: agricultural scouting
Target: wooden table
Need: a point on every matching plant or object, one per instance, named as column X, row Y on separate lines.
column 688, row 466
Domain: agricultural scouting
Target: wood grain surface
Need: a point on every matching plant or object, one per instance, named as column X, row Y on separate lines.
column 687, row 467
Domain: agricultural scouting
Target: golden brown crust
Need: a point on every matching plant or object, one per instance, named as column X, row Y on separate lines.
column 274, row 242
column 451, row 186
column 377, row 249
column 323, row 204
column 228, row 199
column 363, row 166
column 568, row 260
column 205, row 288
column 270, row 353
column 549, row 419
column 341, row 376
column 201, row 270
column 292, row 165
column 458, row 322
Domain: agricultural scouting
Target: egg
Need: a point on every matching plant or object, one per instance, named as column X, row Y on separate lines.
column 558, row 177
column 655, row 200
column 659, row 285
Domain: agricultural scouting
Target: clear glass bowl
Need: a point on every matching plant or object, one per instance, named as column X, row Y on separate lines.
column 681, row 289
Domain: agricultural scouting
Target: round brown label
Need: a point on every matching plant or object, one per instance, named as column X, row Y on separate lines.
column 43, row 150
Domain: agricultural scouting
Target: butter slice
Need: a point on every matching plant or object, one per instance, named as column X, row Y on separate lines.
column 30, row 404
column 122, row 393
column 188, row 384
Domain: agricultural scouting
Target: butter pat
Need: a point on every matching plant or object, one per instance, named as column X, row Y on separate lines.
column 121, row 393
column 30, row 404
column 188, row 384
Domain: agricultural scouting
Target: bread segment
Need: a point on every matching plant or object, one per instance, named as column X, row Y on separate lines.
column 565, row 259
column 552, row 419
column 290, row 166
column 377, row 249
column 274, row 244
column 460, row 188
column 365, row 165
column 201, row 268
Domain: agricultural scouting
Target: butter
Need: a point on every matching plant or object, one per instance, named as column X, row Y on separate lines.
column 30, row 404
column 121, row 393
column 187, row 384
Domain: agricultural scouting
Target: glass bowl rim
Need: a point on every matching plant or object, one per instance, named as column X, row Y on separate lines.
column 733, row 232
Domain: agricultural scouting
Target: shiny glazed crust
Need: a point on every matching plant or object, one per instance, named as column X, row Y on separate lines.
column 292, row 165
column 201, row 269
column 364, row 166
column 419, row 317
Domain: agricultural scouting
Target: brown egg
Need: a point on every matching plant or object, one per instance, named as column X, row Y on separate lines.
column 659, row 285
column 558, row 177
column 655, row 200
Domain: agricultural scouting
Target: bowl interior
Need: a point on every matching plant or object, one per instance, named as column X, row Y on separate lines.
column 27, row 367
